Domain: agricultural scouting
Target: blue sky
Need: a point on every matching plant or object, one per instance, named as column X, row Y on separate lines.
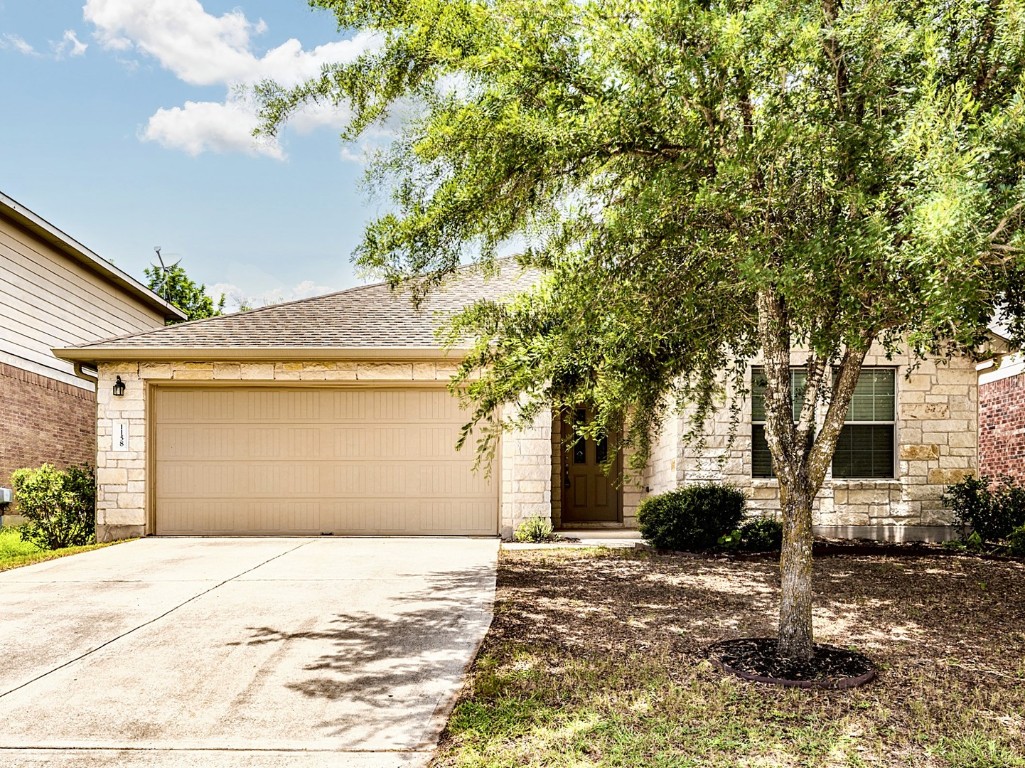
column 121, row 128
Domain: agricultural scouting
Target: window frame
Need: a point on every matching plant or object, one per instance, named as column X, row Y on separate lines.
column 755, row 423
column 894, row 466
column 756, row 370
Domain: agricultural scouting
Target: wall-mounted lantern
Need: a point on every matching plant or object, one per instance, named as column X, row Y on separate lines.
column 119, row 388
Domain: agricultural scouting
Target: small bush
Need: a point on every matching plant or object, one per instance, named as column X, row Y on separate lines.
column 1016, row 542
column 764, row 534
column 535, row 529
column 989, row 508
column 59, row 504
column 692, row 518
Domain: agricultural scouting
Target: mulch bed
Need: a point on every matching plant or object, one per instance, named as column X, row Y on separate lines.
column 845, row 548
column 756, row 659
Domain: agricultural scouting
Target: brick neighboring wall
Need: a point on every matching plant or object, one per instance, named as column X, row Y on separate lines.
column 43, row 420
column 1002, row 427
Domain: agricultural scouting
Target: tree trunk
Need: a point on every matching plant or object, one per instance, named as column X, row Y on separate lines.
column 795, row 565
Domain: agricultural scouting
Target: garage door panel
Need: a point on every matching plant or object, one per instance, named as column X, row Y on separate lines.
column 295, row 461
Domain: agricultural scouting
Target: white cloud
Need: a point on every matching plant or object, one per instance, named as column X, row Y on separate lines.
column 69, row 45
column 236, row 296
column 202, row 49
column 12, row 42
column 207, row 126
column 199, row 48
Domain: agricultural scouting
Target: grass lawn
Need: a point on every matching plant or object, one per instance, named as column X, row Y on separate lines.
column 14, row 552
column 595, row 658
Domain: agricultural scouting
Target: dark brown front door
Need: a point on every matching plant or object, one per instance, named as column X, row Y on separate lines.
column 588, row 494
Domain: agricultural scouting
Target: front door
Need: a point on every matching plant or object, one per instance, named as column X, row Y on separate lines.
column 588, row 494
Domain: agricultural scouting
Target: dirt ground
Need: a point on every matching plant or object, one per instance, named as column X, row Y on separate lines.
column 947, row 634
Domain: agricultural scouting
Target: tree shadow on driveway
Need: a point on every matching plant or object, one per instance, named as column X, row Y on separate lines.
column 392, row 675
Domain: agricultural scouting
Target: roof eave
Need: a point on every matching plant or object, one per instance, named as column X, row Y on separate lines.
column 95, row 355
column 47, row 232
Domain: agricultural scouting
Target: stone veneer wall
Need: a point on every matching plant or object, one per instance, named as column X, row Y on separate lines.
column 526, row 474
column 937, row 444
column 665, row 470
column 121, row 476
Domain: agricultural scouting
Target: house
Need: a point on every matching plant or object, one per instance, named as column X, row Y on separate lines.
column 1002, row 415
column 911, row 430
column 55, row 292
column 332, row 415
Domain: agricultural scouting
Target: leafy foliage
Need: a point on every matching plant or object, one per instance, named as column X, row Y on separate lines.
column 692, row 518
column 60, row 505
column 175, row 286
column 763, row 534
column 666, row 162
column 987, row 507
column 535, row 529
column 1016, row 541
column 695, row 182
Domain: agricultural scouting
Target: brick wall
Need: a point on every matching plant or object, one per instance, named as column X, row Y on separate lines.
column 1002, row 427
column 43, row 420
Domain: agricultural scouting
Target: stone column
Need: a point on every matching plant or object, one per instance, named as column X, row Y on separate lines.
column 526, row 461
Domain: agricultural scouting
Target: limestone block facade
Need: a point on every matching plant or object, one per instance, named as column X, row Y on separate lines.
column 936, row 435
column 122, row 487
column 935, row 429
column 526, row 462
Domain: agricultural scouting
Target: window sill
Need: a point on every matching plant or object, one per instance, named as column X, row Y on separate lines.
column 865, row 483
column 850, row 483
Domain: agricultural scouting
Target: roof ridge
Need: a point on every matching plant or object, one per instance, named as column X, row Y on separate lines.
column 462, row 268
column 370, row 315
column 233, row 315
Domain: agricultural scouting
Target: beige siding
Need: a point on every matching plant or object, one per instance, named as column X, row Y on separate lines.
column 47, row 300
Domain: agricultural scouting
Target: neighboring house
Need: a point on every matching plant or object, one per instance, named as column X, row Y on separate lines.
column 332, row 415
column 55, row 292
column 1002, row 416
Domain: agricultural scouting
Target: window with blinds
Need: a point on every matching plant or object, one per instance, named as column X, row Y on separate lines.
column 866, row 445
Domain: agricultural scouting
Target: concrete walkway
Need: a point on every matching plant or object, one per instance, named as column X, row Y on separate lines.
column 240, row 652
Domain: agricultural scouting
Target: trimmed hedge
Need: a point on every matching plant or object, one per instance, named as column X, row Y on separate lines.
column 991, row 508
column 692, row 518
column 763, row 534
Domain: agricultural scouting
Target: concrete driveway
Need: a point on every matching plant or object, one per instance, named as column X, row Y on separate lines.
column 240, row 652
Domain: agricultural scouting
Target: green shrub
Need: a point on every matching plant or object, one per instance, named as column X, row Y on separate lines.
column 535, row 529
column 990, row 508
column 763, row 534
column 1016, row 541
column 59, row 505
column 691, row 518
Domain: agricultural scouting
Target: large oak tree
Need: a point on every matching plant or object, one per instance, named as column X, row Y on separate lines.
column 698, row 181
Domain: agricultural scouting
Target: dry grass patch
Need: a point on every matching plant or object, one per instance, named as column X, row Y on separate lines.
column 595, row 658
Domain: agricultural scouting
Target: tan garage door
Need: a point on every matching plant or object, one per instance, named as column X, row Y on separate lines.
column 266, row 460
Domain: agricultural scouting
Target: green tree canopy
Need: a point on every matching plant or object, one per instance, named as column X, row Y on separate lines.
column 175, row 286
column 699, row 181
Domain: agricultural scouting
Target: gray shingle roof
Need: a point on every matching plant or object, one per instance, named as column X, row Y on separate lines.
column 371, row 316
